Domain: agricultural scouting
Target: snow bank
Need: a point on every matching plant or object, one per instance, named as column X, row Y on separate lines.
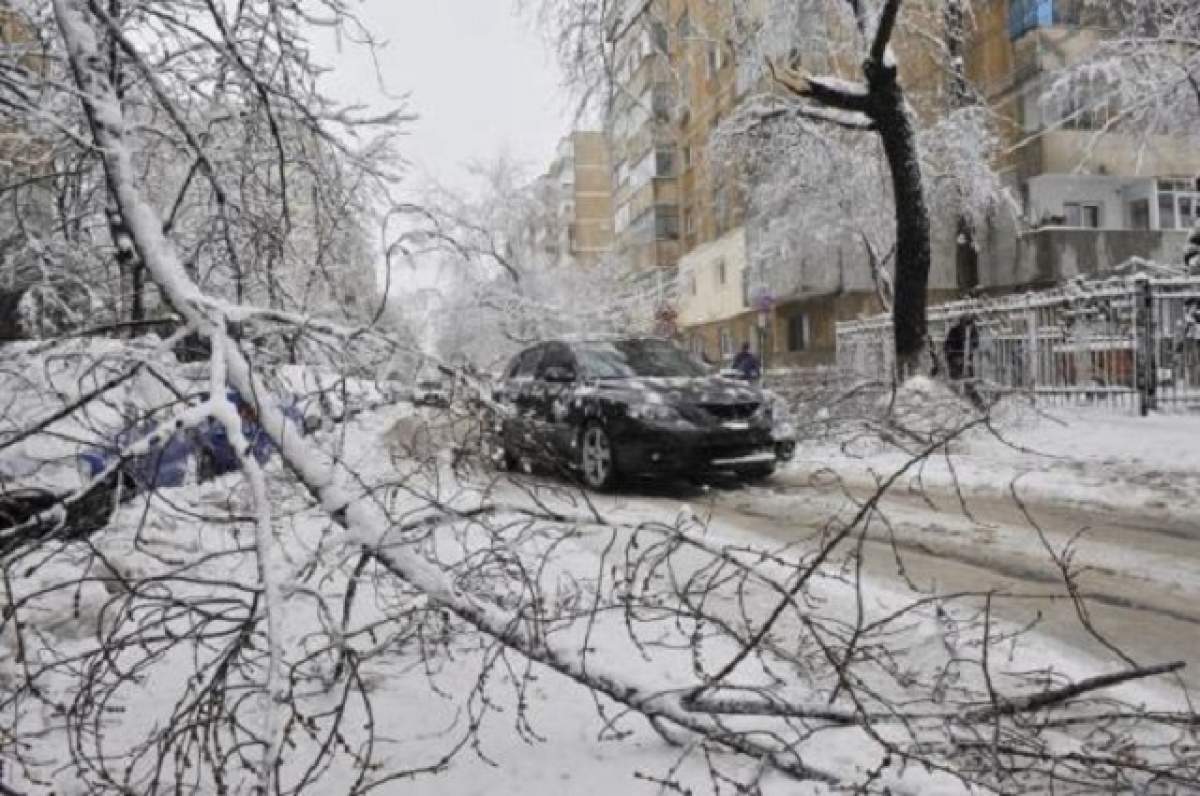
column 1078, row 457
column 927, row 408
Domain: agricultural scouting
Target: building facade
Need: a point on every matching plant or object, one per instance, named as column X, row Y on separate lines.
column 576, row 195
column 714, row 268
column 645, row 167
column 1090, row 199
column 1088, row 203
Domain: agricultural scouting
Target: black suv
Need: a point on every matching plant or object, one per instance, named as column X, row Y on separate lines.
column 612, row 407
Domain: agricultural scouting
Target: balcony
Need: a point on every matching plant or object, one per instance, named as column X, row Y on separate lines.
column 1051, row 255
column 1089, row 152
column 1027, row 15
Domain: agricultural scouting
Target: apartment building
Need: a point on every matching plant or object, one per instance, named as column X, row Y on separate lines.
column 734, row 288
column 714, row 267
column 645, row 150
column 575, row 194
column 1089, row 202
column 20, row 151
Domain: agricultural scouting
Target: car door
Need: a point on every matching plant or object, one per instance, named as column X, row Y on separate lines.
column 553, row 390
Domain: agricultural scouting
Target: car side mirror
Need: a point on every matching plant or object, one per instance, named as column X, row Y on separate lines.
column 557, row 374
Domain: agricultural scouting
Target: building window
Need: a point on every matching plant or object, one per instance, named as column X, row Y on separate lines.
column 683, row 28
column 726, row 344
column 1178, row 203
column 621, row 219
column 720, row 209
column 689, row 222
column 1080, row 214
column 1139, row 214
column 664, row 162
column 687, row 156
column 1189, row 208
column 621, row 170
column 660, row 100
column 797, row 332
column 715, row 60
column 1088, row 106
column 720, row 272
column 666, row 222
column 658, row 34
column 1027, row 15
column 745, row 287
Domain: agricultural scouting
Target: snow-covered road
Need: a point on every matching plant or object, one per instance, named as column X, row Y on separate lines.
column 1137, row 565
column 1139, row 575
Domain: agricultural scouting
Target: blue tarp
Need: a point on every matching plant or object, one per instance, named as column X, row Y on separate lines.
column 167, row 464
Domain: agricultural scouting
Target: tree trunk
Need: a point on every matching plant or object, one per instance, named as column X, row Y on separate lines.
column 966, row 254
column 966, row 257
column 889, row 111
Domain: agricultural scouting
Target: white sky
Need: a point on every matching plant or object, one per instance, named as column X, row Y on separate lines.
column 479, row 76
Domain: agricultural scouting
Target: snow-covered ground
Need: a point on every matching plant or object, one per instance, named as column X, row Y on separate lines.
column 1071, row 457
column 526, row 729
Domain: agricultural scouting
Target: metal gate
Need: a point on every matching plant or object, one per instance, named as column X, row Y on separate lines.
column 1130, row 344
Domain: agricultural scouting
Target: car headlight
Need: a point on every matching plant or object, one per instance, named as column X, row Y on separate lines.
column 776, row 412
column 773, row 408
column 662, row 414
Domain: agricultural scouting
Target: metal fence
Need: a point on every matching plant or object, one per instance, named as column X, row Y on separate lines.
column 1131, row 344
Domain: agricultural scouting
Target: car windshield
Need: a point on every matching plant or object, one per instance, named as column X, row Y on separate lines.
column 430, row 385
column 623, row 359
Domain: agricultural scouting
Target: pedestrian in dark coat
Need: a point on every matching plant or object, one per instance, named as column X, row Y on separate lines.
column 747, row 364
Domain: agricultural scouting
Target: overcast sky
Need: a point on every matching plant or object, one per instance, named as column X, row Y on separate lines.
column 481, row 79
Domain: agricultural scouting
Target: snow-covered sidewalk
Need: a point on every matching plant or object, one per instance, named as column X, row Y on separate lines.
column 1068, row 458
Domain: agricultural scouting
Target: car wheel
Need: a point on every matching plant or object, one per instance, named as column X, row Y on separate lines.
column 496, row 452
column 597, row 458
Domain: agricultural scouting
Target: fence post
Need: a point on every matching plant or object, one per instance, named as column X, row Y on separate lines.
column 1146, row 345
column 1033, row 361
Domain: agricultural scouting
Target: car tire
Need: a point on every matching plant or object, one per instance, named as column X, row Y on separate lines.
column 597, row 458
column 496, row 452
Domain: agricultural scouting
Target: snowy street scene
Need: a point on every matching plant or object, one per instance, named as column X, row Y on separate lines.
column 599, row 397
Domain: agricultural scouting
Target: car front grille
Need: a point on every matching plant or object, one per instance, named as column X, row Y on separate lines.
column 742, row 411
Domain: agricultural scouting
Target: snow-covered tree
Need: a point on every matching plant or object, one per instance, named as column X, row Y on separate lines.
column 287, row 627
column 498, row 243
column 272, row 196
column 824, row 79
column 936, row 162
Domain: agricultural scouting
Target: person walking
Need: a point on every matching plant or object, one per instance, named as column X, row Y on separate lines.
column 962, row 343
column 747, row 364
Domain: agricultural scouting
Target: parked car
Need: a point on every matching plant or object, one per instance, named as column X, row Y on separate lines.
column 167, row 463
column 30, row 515
column 431, row 392
column 614, row 407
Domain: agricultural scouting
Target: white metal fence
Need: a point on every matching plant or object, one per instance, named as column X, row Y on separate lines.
column 1129, row 343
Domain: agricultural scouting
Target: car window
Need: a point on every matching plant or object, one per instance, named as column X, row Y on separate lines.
column 648, row 358
column 511, row 371
column 556, row 355
column 527, row 364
